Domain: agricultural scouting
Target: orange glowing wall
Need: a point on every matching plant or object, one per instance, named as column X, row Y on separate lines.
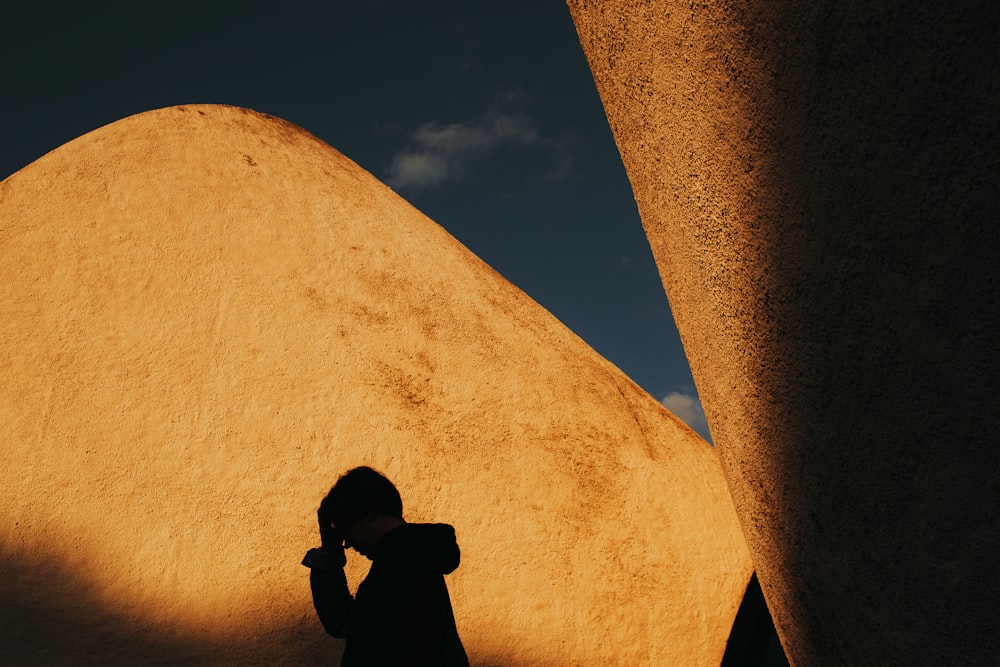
column 206, row 315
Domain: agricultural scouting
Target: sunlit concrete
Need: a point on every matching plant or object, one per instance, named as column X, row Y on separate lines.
column 206, row 314
column 818, row 182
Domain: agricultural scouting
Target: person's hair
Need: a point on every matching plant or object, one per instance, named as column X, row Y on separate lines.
column 357, row 493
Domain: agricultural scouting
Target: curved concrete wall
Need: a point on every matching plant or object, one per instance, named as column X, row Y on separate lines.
column 207, row 314
column 818, row 182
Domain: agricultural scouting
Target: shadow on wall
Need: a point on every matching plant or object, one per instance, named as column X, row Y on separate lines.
column 49, row 616
column 895, row 169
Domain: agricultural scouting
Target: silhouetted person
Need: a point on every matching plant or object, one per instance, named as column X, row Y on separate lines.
column 401, row 614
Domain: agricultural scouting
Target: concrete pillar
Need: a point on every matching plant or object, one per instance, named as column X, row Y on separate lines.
column 818, row 182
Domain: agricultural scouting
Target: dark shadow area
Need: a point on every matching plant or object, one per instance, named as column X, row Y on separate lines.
column 886, row 123
column 49, row 617
column 753, row 641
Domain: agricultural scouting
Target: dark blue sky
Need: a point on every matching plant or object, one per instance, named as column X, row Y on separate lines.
column 483, row 115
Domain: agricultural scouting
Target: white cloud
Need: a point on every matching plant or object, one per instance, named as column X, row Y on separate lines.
column 418, row 169
column 437, row 152
column 688, row 409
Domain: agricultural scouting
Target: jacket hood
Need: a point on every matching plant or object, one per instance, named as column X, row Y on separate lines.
column 431, row 543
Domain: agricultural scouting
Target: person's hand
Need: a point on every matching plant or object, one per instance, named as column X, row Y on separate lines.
column 330, row 539
column 331, row 554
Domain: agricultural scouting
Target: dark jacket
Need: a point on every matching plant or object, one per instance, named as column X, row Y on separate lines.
column 402, row 613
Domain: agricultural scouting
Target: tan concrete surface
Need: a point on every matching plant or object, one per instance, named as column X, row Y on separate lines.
column 207, row 314
column 818, row 183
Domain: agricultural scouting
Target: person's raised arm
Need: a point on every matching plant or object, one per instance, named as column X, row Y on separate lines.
column 331, row 597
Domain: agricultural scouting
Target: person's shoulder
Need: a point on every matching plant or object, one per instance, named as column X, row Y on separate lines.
column 422, row 546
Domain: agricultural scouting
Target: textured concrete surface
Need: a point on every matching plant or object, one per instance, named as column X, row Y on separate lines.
column 207, row 314
column 818, row 181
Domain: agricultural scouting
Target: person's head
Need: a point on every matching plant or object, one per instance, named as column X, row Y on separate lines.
column 362, row 506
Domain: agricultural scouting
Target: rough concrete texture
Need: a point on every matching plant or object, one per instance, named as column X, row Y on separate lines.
column 818, row 181
column 207, row 314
